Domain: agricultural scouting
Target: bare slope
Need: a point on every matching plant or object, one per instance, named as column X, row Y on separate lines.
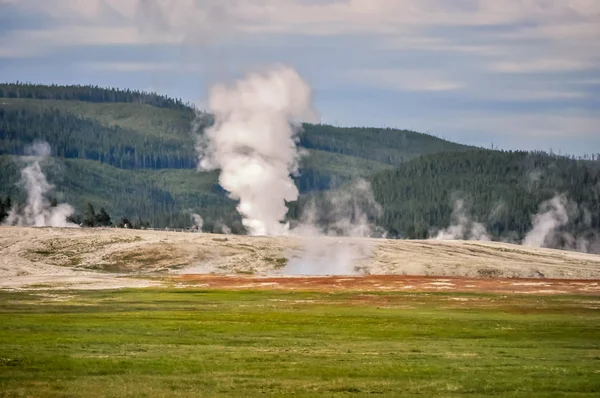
column 96, row 258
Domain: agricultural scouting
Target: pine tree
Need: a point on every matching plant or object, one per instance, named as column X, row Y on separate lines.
column 89, row 216
column 124, row 223
column 103, row 218
column 4, row 208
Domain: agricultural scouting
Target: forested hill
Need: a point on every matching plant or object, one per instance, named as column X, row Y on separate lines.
column 502, row 190
column 133, row 152
column 87, row 94
column 130, row 129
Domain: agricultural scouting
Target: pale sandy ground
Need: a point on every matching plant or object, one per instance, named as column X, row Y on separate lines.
column 114, row 258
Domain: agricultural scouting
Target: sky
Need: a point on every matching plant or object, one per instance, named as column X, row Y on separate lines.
column 515, row 74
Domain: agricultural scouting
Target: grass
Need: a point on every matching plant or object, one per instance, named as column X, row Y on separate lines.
column 179, row 342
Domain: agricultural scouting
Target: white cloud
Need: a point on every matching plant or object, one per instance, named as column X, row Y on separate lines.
column 533, row 94
column 402, row 79
column 587, row 82
column 587, row 29
column 402, row 24
column 567, row 124
column 89, row 11
column 35, row 42
column 419, row 41
column 542, row 65
column 570, row 30
column 133, row 66
column 334, row 17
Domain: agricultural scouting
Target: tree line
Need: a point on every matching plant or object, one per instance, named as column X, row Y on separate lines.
column 502, row 190
column 76, row 137
column 88, row 93
column 91, row 219
column 216, row 219
column 384, row 145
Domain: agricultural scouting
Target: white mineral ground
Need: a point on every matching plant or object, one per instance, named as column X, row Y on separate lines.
column 56, row 258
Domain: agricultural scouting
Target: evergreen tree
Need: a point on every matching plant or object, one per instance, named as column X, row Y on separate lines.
column 4, row 208
column 103, row 218
column 75, row 219
column 124, row 223
column 87, row 94
column 89, row 216
column 141, row 224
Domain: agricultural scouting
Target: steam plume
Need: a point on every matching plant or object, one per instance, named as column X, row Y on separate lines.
column 343, row 213
column 221, row 227
column 198, row 222
column 553, row 215
column 38, row 211
column 463, row 228
column 253, row 143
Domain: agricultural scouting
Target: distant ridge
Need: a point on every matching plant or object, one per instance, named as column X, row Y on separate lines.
column 132, row 152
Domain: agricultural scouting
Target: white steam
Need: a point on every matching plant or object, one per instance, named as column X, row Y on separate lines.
column 253, row 143
column 462, row 227
column 559, row 224
column 549, row 222
column 198, row 222
column 220, row 227
column 38, row 211
column 334, row 233
column 552, row 216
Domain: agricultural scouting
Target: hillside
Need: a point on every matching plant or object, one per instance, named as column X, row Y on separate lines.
column 480, row 195
column 501, row 190
column 133, row 152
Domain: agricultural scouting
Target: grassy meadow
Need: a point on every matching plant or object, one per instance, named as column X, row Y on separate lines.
column 184, row 342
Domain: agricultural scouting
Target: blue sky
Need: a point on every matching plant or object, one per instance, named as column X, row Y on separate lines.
column 519, row 74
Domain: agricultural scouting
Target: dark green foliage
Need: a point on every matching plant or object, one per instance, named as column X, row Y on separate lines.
column 75, row 219
column 87, row 93
column 500, row 189
column 124, row 223
column 89, row 216
column 133, row 134
column 383, row 145
column 5, row 206
column 141, row 224
column 134, row 154
column 162, row 197
column 73, row 136
column 103, row 218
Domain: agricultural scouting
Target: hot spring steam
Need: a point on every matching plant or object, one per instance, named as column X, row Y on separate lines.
column 253, row 143
column 38, row 210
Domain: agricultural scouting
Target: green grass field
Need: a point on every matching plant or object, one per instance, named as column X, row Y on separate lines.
column 180, row 342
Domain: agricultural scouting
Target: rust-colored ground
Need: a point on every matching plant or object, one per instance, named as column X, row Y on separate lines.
column 395, row 283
